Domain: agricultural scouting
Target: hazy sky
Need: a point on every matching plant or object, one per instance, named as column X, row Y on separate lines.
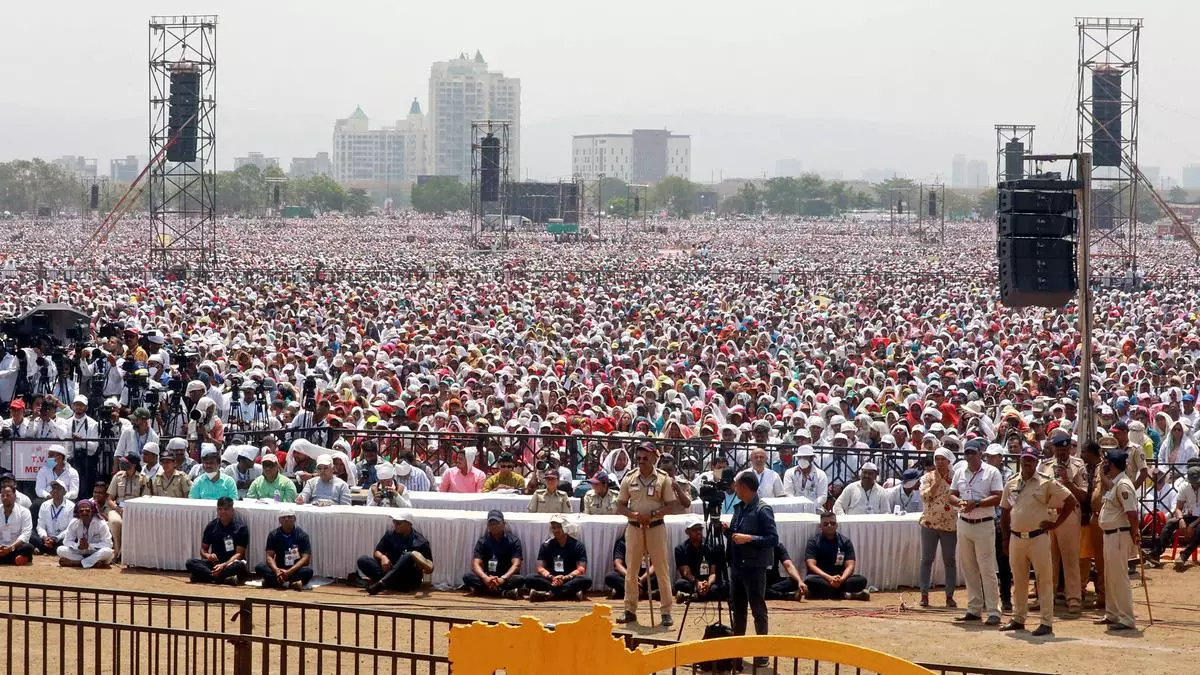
column 849, row 85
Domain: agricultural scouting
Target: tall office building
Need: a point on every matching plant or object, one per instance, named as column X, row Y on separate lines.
column 977, row 173
column 788, row 168
column 462, row 91
column 79, row 167
column 124, row 170
column 375, row 159
column 642, row 156
column 958, row 172
column 256, row 159
column 306, row 167
column 1191, row 177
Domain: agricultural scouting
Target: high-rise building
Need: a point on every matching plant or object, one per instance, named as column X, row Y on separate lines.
column 462, row 91
column 977, row 173
column 79, row 167
column 642, row 156
column 958, row 172
column 1191, row 177
column 788, row 168
column 124, row 170
column 379, row 159
column 256, row 159
column 306, row 167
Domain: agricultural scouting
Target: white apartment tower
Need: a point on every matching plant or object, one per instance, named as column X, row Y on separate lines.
column 365, row 157
column 643, row 156
column 462, row 91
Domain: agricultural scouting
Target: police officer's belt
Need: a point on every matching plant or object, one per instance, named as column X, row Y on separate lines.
column 653, row 523
column 1029, row 535
column 1119, row 529
column 975, row 521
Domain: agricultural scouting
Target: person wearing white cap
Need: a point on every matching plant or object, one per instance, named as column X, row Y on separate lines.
column 80, row 427
column 54, row 516
column 272, row 484
column 806, row 479
column 325, row 488
column 975, row 491
column 211, row 483
column 412, row 480
column 401, row 559
column 56, row 469
column 288, row 554
column 385, row 491
column 696, row 564
column 244, row 471
column 150, row 465
column 863, row 496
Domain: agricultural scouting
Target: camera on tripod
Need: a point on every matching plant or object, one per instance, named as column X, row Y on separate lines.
column 712, row 493
column 309, row 393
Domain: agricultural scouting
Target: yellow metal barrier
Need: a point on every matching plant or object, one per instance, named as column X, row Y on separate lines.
column 588, row 645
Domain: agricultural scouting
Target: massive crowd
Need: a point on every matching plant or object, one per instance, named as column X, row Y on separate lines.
column 794, row 336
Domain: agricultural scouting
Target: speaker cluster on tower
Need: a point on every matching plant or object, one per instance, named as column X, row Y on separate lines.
column 94, row 198
column 1036, row 225
column 489, row 169
column 182, row 114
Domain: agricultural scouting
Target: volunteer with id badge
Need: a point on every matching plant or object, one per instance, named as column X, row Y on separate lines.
column 288, row 555
column 222, row 549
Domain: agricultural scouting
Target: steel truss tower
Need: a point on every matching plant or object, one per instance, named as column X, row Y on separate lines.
column 1109, row 54
column 489, row 220
column 1006, row 133
column 183, row 195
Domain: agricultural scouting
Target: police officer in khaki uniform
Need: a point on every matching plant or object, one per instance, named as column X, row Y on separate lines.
column 1070, row 472
column 646, row 496
column 1119, row 524
column 549, row 499
column 1024, row 507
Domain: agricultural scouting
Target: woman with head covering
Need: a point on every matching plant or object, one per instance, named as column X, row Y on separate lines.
column 616, row 464
column 342, row 466
column 1177, row 446
column 302, row 459
column 938, row 525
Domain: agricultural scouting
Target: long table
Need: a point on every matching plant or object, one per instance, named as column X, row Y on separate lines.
column 509, row 502
column 161, row 533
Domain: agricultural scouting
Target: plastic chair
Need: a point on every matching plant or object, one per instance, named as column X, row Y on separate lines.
column 1175, row 549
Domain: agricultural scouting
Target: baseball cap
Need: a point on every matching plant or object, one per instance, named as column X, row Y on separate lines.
column 402, row 516
column 80, row 399
column 17, row 404
column 495, row 515
column 286, row 512
column 57, row 449
column 142, row 413
column 692, row 521
column 975, row 445
column 994, row 449
column 324, row 460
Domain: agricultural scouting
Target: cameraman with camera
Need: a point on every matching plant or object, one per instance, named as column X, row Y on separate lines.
column 79, row 428
column 134, row 439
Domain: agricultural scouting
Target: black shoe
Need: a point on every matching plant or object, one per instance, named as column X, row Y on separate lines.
column 993, row 620
column 627, row 617
column 762, row 662
column 1119, row 626
column 1042, row 630
column 1103, row 622
column 969, row 617
column 1013, row 625
column 374, row 589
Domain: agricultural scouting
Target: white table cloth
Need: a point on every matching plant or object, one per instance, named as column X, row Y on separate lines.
column 507, row 502
column 162, row 533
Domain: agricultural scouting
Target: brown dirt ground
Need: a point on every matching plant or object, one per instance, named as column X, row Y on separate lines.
column 889, row 622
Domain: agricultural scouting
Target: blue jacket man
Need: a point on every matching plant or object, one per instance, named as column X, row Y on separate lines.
column 752, row 537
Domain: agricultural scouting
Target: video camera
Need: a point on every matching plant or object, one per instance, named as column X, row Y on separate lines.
column 309, row 393
column 712, row 493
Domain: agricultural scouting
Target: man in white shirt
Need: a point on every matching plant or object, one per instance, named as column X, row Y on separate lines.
column 16, row 529
column 769, row 482
column 863, row 496
column 54, row 516
column 134, row 439
column 16, row 426
column 46, row 427
column 975, row 490
column 806, row 479
column 1184, row 517
column 56, row 469
column 906, row 495
column 79, row 427
column 87, row 543
column 1190, row 415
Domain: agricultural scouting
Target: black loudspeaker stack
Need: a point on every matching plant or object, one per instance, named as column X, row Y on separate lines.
column 489, row 169
column 1036, row 228
column 94, row 198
